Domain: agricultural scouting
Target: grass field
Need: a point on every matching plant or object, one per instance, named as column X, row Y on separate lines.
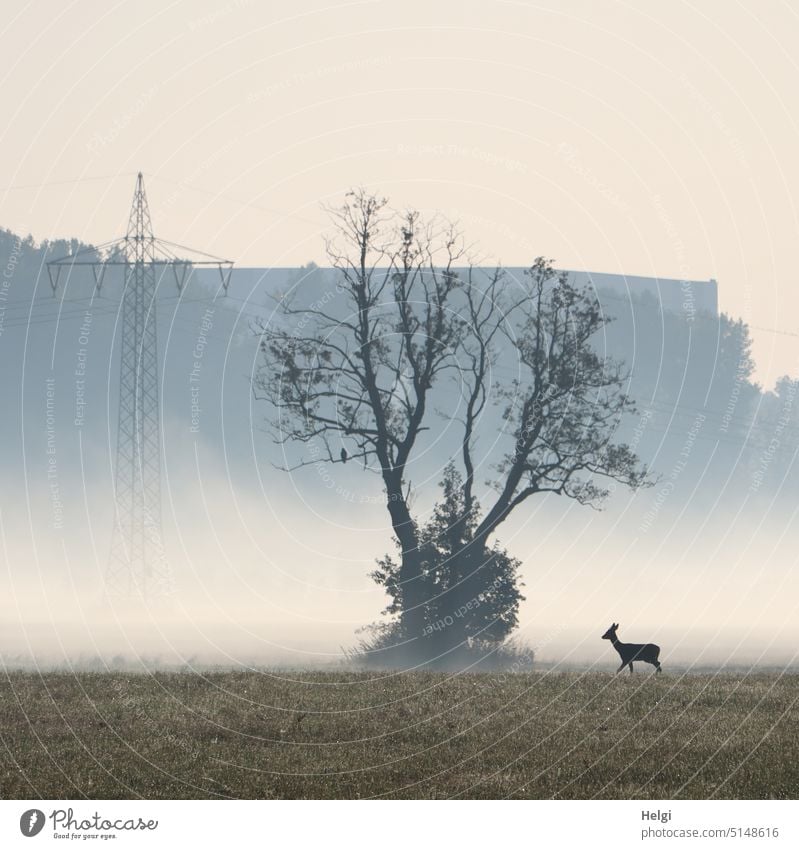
column 350, row 735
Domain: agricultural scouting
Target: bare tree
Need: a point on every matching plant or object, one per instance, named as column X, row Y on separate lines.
column 368, row 376
column 565, row 407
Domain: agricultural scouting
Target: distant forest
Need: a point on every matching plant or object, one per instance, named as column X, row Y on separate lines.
column 700, row 412
column 692, row 378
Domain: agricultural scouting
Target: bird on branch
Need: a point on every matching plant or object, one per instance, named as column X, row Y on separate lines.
column 344, row 455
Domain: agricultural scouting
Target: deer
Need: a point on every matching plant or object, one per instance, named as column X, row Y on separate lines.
column 629, row 652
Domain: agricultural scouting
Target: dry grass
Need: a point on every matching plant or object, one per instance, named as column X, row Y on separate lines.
column 348, row 735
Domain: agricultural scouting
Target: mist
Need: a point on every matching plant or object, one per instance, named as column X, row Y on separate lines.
column 271, row 568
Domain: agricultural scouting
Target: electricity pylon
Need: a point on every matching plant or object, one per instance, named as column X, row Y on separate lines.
column 137, row 566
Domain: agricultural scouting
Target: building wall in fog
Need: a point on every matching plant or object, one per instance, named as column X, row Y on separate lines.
column 699, row 296
column 690, row 297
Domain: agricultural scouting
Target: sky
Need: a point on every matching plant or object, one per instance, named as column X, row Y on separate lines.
column 644, row 138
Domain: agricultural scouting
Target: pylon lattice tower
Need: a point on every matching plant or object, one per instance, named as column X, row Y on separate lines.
column 138, row 567
column 137, row 564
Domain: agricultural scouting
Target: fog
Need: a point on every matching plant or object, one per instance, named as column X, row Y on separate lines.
column 255, row 588
column 272, row 568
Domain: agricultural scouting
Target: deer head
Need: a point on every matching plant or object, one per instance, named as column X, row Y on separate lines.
column 611, row 632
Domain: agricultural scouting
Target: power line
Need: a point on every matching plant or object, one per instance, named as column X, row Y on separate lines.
column 63, row 182
column 248, row 204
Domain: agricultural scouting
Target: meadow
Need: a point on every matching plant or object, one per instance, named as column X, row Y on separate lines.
column 285, row 734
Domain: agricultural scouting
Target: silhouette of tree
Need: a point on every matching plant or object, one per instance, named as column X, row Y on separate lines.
column 774, row 442
column 365, row 364
column 468, row 602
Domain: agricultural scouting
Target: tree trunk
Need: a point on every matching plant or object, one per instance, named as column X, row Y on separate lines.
column 412, row 616
column 413, row 612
